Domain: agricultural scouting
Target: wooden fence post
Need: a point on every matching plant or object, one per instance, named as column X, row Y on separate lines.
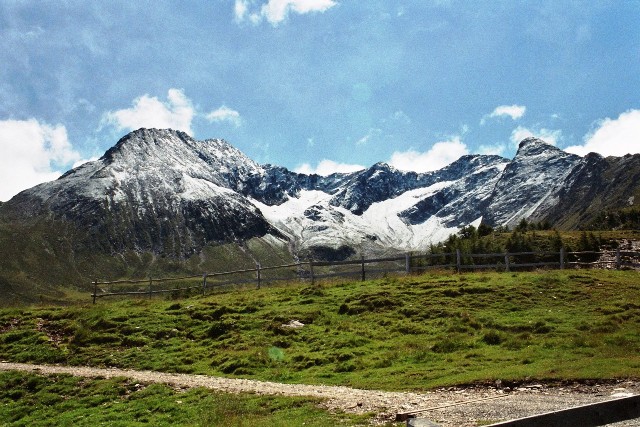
column 150, row 283
column 95, row 290
column 313, row 277
column 562, row 258
column 363, row 274
column 506, row 262
column 407, row 263
column 204, row 283
column 458, row 261
column 618, row 259
column 258, row 274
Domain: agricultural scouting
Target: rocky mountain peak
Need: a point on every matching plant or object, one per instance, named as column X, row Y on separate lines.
column 144, row 141
column 532, row 146
column 382, row 166
column 593, row 158
column 530, row 183
column 170, row 155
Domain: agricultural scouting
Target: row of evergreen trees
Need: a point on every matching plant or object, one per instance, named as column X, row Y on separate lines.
column 526, row 237
column 626, row 219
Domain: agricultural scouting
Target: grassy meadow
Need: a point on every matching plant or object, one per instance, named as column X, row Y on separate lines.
column 396, row 333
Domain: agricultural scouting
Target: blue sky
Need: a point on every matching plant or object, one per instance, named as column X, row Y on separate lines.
column 316, row 85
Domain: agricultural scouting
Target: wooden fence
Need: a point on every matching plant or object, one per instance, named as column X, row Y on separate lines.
column 364, row 269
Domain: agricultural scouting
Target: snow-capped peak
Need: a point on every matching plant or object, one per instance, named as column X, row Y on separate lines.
column 162, row 190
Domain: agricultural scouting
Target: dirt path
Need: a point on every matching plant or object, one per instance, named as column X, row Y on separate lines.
column 496, row 404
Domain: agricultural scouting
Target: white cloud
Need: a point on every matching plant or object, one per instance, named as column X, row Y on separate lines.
column 327, row 167
column 613, row 137
column 277, row 11
column 83, row 161
column 240, row 9
column 440, row 155
column 32, row 153
column 513, row 111
column 372, row 133
column 547, row 135
column 149, row 112
column 401, row 117
column 496, row 149
column 225, row 114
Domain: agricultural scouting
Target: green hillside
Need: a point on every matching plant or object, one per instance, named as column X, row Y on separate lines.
column 415, row 332
column 47, row 261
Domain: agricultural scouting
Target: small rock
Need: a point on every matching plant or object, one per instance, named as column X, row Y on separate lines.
column 421, row 422
column 620, row 394
column 293, row 324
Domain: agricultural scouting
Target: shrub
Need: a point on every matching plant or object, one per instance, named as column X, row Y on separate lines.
column 220, row 328
column 447, row 345
column 541, row 328
column 492, row 338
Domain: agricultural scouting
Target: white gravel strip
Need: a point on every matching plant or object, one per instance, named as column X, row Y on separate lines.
column 445, row 405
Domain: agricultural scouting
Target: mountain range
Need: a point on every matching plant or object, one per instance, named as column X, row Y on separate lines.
column 162, row 195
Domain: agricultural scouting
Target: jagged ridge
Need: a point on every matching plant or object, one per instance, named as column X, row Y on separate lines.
column 164, row 192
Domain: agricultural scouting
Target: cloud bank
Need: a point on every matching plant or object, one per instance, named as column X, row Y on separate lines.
column 31, row 153
column 149, row 112
column 440, row 155
column 327, row 167
column 277, row 11
column 613, row 137
column 176, row 113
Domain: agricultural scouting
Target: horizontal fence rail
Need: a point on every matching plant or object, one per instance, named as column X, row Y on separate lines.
column 312, row 271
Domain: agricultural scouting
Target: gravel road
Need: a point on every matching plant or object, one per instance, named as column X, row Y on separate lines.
column 443, row 406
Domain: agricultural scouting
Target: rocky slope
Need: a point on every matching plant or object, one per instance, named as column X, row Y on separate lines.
column 530, row 184
column 157, row 191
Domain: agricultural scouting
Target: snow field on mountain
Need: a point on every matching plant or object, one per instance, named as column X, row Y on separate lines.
column 337, row 225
